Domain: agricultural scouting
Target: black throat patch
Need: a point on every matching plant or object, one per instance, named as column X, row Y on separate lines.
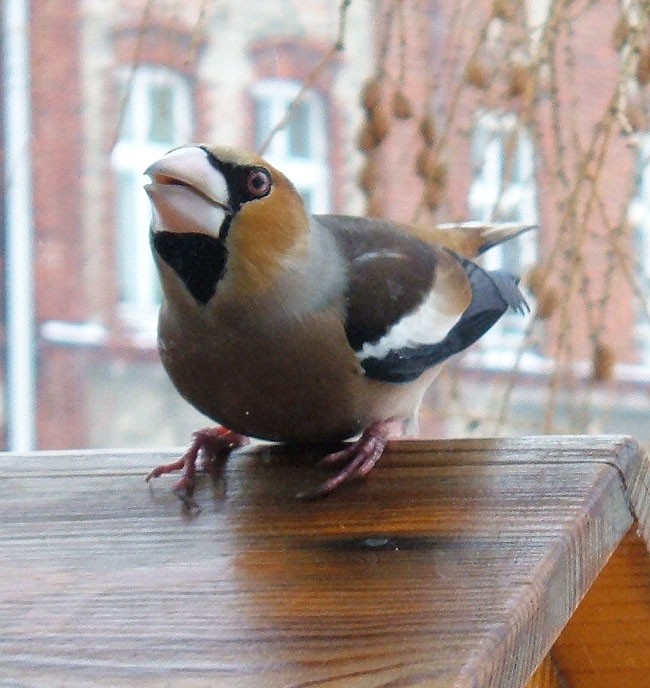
column 198, row 259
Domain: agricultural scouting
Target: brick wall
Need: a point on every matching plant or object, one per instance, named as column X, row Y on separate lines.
column 57, row 146
column 77, row 52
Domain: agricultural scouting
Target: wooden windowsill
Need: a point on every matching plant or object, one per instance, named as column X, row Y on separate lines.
column 455, row 563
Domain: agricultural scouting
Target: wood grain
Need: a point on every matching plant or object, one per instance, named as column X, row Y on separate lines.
column 456, row 563
column 606, row 644
column 547, row 675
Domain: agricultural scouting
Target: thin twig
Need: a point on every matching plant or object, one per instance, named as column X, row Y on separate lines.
column 337, row 47
column 135, row 63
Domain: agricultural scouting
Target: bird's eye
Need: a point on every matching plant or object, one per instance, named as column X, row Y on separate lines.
column 258, row 183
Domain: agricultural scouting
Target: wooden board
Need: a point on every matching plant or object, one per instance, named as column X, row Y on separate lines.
column 606, row 643
column 547, row 675
column 456, row 563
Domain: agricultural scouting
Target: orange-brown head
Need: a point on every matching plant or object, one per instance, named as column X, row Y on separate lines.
column 222, row 212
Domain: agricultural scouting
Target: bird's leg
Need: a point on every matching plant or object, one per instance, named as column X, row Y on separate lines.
column 359, row 457
column 209, row 444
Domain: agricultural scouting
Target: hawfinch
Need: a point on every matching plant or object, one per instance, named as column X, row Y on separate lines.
column 305, row 329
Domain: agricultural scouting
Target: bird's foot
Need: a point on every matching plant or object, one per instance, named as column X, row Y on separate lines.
column 209, row 444
column 359, row 458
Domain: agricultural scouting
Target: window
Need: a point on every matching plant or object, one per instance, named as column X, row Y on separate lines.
column 503, row 190
column 299, row 149
column 157, row 117
column 639, row 218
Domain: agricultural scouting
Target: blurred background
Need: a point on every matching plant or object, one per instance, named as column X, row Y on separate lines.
column 421, row 111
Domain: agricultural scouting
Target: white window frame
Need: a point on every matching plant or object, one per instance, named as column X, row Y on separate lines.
column 310, row 173
column 639, row 221
column 131, row 155
column 493, row 197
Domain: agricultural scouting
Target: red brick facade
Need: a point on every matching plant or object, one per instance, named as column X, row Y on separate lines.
column 57, row 146
column 75, row 269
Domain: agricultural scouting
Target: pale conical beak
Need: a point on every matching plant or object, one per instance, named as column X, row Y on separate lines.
column 187, row 193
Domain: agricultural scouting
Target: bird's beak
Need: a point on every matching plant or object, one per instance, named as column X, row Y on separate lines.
column 187, row 193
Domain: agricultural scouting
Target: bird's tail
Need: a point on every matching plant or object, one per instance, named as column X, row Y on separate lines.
column 508, row 286
column 470, row 239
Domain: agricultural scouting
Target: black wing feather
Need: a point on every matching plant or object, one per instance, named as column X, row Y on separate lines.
column 493, row 292
column 410, row 265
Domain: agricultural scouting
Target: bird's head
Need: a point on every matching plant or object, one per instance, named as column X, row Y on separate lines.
column 223, row 213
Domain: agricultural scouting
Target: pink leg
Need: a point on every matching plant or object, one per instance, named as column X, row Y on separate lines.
column 359, row 458
column 210, row 444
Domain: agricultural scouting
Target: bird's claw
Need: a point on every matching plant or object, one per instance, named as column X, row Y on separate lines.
column 165, row 468
column 210, row 443
column 359, row 457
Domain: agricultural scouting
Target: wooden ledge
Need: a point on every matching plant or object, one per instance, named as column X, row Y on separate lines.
column 456, row 563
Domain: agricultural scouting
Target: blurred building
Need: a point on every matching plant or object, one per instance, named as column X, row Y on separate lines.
column 116, row 83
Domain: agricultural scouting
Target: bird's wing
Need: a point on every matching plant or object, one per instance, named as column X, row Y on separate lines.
column 410, row 305
column 493, row 292
column 400, row 294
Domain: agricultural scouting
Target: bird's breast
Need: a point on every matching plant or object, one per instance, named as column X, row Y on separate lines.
column 295, row 381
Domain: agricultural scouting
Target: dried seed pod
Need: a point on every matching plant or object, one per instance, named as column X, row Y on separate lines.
column 603, row 363
column 440, row 173
column 621, row 32
column 369, row 176
column 503, row 9
column 428, row 130
column 401, row 105
column 374, row 207
column 477, row 74
column 430, row 167
column 379, row 124
column 643, row 66
column 371, row 94
column 536, row 279
column 548, row 300
column 518, row 79
column 366, row 141
column 432, row 195
column 546, row 294
column 425, row 163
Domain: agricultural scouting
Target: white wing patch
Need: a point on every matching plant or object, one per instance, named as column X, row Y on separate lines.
column 427, row 324
column 381, row 253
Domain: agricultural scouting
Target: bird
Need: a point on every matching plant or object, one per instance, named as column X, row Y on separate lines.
column 306, row 329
